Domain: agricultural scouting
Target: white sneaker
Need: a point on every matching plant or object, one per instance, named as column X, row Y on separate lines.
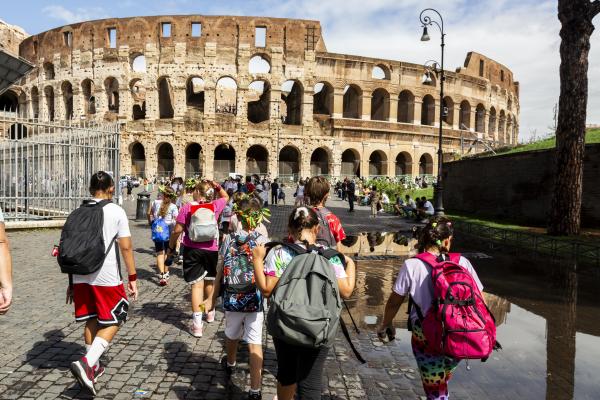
column 196, row 330
column 210, row 316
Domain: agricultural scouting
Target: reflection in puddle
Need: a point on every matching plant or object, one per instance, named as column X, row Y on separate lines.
column 547, row 320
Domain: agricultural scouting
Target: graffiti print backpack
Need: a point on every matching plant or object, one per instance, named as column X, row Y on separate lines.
column 81, row 249
column 458, row 324
column 203, row 225
column 160, row 230
column 239, row 288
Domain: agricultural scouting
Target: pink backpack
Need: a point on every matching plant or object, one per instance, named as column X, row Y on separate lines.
column 458, row 324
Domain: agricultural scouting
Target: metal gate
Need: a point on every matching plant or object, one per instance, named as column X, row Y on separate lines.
column 45, row 167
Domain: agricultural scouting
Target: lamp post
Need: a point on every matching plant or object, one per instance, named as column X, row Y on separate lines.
column 426, row 20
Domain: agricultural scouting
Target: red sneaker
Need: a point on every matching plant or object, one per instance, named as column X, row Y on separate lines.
column 84, row 374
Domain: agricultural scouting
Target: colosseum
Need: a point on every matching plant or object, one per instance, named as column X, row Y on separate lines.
column 215, row 95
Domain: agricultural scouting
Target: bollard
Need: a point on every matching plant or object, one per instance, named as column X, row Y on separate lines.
column 143, row 203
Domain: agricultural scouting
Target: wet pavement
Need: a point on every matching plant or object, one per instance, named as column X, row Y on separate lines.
column 547, row 315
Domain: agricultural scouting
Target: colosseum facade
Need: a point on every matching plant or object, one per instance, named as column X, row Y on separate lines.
column 214, row 95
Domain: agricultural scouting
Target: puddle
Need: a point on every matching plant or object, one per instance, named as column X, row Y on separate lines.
column 547, row 316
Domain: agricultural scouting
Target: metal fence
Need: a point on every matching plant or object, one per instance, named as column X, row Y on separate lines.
column 45, row 167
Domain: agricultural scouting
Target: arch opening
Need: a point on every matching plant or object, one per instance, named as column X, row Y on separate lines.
column 224, row 161
column 350, row 163
column 138, row 63
column 289, row 163
column 465, row 116
column 89, row 100
column 492, row 123
column 166, row 160
column 377, row 163
column 259, row 104
column 138, row 160
column 501, row 127
column 194, row 90
column 9, row 101
column 380, row 72
column 428, row 110
column 17, row 131
column 292, row 94
column 448, row 111
column 480, row 118
column 403, row 164
column 380, row 105
column 138, row 95
column 67, row 95
column 48, row 71
column 35, row 102
column 426, row 164
column 257, row 160
column 352, row 107
column 112, row 93
column 49, row 98
column 165, row 98
column 259, row 64
column 319, row 162
column 406, row 107
column 193, row 160
column 323, row 98
column 226, row 92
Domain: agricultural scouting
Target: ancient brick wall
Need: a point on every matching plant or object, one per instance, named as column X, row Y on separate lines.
column 517, row 186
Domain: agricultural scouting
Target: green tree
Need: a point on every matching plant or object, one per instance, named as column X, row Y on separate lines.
column 575, row 17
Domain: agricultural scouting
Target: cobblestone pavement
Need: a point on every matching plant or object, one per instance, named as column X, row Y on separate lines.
column 153, row 353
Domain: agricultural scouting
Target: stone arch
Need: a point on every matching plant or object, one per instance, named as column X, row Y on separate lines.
column 292, row 94
column 323, row 98
column 403, row 163
column 138, row 62
column 111, row 85
column 464, row 121
column 48, row 71
column 259, row 64
column 448, row 111
column 17, row 131
column 165, row 98
column 426, row 164
column 257, row 160
column 378, row 163
column 480, row 118
column 23, row 109
column 259, row 104
column 9, row 101
column 509, row 104
column 380, row 105
column 289, row 162
column 226, row 95
column 319, row 162
column 224, row 161
column 406, row 107
column 193, row 160
column 501, row 126
column 35, row 102
column 492, row 122
column 138, row 159
column 380, row 71
column 89, row 98
column 49, row 98
column 67, row 94
column 138, row 95
column 166, row 160
column 352, row 107
column 194, row 89
column 428, row 110
column 350, row 163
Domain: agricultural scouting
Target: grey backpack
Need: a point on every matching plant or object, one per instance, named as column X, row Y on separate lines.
column 305, row 305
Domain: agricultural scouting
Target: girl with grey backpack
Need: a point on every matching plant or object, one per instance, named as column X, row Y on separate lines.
column 305, row 282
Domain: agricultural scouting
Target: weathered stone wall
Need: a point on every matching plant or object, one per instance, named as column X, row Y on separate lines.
column 344, row 114
column 517, row 186
column 11, row 37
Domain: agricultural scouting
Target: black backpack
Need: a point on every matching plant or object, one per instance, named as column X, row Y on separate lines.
column 81, row 250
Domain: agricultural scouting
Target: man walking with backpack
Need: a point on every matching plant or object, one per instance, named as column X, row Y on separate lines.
column 330, row 227
column 89, row 249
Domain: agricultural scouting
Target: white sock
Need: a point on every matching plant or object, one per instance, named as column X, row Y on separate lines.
column 197, row 317
column 87, row 348
column 98, row 347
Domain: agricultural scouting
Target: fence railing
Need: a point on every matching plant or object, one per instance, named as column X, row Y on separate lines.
column 545, row 245
column 45, row 167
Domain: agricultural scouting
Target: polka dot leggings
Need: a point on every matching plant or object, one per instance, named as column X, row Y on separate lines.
column 435, row 370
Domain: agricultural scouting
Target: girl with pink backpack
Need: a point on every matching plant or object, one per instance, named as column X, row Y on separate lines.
column 447, row 314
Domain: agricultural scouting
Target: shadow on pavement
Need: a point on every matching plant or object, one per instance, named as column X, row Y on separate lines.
column 54, row 352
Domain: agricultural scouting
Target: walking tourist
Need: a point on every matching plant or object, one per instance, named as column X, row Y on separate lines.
column 299, row 194
column 281, row 193
column 242, row 301
column 351, row 195
column 198, row 221
column 99, row 297
column 129, row 189
column 415, row 282
column 161, row 218
column 299, row 368
column 6, row 285
column 274, row 192
column 331, row 231
column 374, row 201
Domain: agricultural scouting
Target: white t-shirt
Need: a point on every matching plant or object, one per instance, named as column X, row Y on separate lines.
column 171, row 212
column 428, row 207
column 115, row 223
column 300, row 191
column 414, row 278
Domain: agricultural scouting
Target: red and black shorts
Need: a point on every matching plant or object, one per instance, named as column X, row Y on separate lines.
column 108, row 304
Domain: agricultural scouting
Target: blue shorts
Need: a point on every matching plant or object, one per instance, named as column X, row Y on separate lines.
column 160, row 246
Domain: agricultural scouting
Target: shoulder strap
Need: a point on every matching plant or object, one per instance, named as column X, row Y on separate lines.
column 293, row 246
column 329, row 253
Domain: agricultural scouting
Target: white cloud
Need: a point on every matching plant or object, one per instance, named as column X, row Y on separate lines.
column 79, row 14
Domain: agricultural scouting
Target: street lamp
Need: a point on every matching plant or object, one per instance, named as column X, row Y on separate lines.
column 426, row 20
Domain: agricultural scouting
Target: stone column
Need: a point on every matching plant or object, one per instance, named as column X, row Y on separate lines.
column 208, row 160
column 436, row 113
column 486, row 123
column 338, row 103
column 456, row 117
column 366, row 105
column 418, row 107
column 473, row 119
column 78, row 103
column 125, row 101
column 179, row 96
column 393, row 108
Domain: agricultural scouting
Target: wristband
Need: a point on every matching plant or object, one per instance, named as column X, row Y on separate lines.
column 218, row 188
column 132, row 277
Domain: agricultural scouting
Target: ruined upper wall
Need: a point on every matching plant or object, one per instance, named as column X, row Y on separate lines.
column 11, row 37
column 479, row 65
column 293, row 36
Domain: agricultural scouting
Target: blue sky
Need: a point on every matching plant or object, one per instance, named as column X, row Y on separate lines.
column 522, row 34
